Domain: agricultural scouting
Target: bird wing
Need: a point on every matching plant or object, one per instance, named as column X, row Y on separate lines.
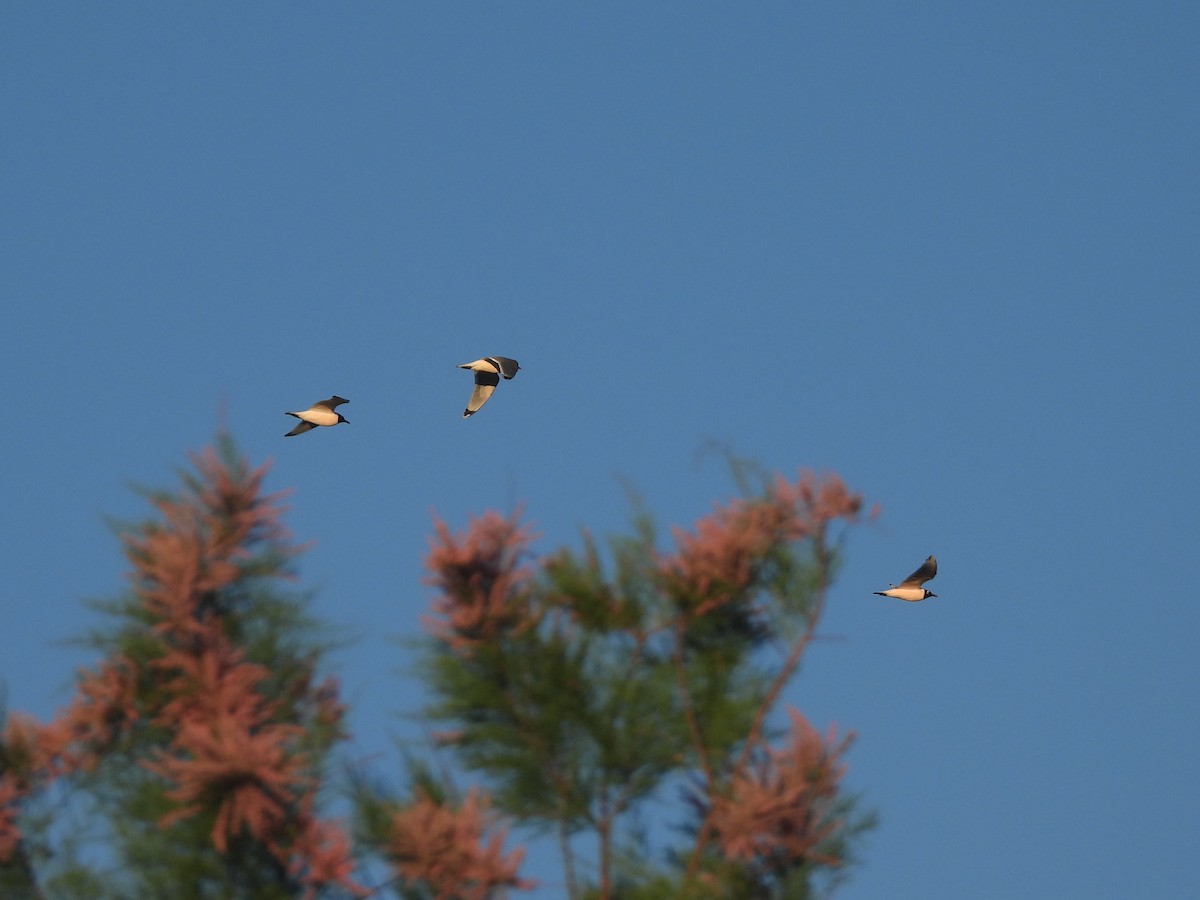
column 485, row 383
column 507, row 365
column 332, row 403
column 927, row 571
column 300, row 428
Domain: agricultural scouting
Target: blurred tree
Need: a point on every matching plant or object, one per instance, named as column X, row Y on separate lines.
column 192, row 758
column 583, row 697
column 200, row 741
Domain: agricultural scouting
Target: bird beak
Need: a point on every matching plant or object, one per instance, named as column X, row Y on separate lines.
column 932, row 594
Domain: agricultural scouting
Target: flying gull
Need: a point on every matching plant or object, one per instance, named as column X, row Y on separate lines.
column 320, row 413
column 910, row 588
column 487, row 375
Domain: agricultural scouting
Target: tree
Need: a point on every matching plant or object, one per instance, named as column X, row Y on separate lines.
column 583, row 696
column 578, row 694
column 200, row 740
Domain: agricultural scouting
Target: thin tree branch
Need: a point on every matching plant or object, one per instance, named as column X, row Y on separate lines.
column 754, row 736
column 604, row 828
column 564, row 843
column 689, row 709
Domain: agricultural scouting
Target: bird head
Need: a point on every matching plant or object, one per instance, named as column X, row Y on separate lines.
column 342, row 419
column 929, row 593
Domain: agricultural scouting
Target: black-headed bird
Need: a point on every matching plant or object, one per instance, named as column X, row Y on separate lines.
column 910, row 588
column 320, row 413
column 487, row 375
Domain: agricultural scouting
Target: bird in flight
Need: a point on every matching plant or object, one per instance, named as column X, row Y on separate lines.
column 910, row 588
column 320, row 413
column 487, row 375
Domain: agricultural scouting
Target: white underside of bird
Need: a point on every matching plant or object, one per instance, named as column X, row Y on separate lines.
column 323, row 412
column 317, row 416
column 911, row 594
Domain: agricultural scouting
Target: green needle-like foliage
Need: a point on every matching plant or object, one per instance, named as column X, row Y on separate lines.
column 198, row 744
column 583, row 696
column 620, row 699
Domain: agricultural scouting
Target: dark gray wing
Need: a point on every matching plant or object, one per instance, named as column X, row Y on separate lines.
column 927, row 571
column 506, row 364
column 332, row 403
column 300, row 428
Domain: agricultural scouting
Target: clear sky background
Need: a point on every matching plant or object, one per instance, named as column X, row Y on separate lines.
column 948, row 250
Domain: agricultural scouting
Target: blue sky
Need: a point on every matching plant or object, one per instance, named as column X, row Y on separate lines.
column 947, row 250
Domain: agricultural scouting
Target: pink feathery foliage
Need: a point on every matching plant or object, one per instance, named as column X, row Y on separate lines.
column 105, row 705
column 321, row 855
column 776, row 811
column 176, row 572
column 249, row 775
column 33, row 754
column 202, row 544
column 214, row 685
column 227, row 751
column 819, row 501
column 719, row 561
column 11, row 795
column 448, row 850
column 23, row 764
column 25, row 753
column 480, row 581
column 260, row 786
column 230, row 754
column 237, row 747
column 233, row 504
column 236, row 751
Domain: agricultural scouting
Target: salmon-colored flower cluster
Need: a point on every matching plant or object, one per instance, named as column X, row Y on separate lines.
column 227, row 752
column 446, row 849
column 480, row 581
column 234, row 752
column 239, row 749
column 777, row 812
column 821, row 500
column 105, row 704
column 23, row 763
column 24, row 752
column 719, row 562
column 321, row 855
column 182, row 564
column 33, row 754
column 11, row 796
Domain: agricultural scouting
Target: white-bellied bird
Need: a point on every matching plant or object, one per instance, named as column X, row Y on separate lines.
column 487, row 375
column 320, row 413
column 910, row 588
